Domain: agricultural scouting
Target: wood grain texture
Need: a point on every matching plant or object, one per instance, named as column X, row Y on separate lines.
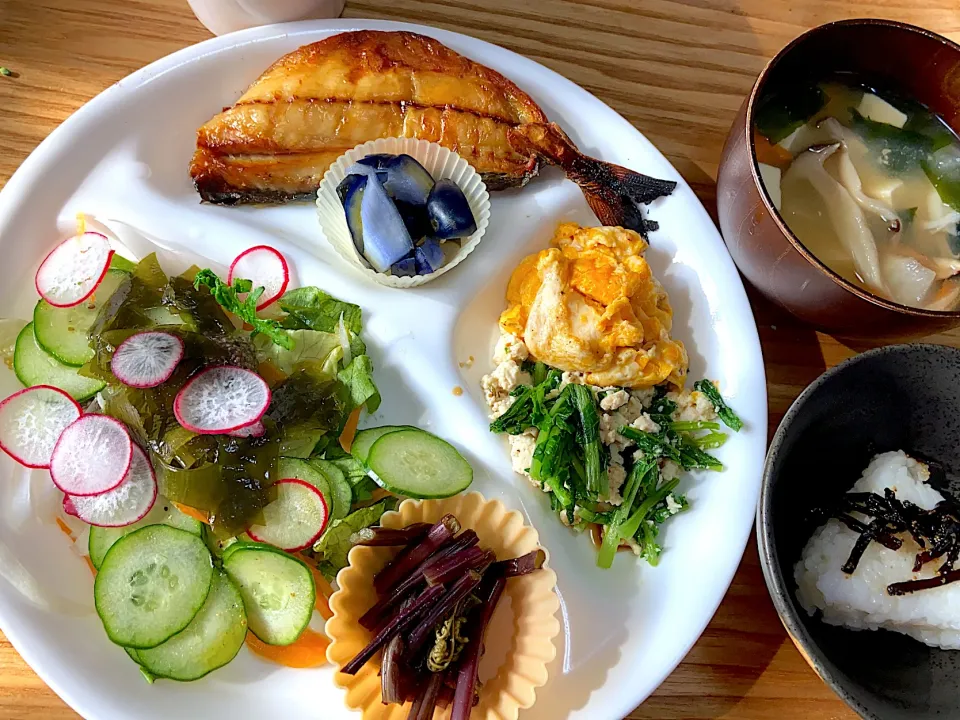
column 677, row 70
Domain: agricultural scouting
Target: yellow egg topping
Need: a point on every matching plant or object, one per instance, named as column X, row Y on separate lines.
column 591, row 304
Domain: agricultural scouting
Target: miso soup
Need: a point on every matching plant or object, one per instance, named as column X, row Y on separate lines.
column 870, row 184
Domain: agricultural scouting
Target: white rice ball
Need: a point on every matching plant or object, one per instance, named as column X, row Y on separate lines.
column 860, row 601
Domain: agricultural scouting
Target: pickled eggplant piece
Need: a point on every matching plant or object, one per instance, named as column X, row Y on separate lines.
column 350, row 191
column 415, row 218
column 385, row 238
column 404, row 179
column 405, row 268
column 449, row 212
column 428, row 256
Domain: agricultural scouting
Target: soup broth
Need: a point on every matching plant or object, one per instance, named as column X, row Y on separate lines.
column 870, row 184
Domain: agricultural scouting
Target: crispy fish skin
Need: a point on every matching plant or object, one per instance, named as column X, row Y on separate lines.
column 323, row 99
column 311, row 106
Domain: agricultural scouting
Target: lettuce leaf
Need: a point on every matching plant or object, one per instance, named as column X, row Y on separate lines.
column 321, row 350
column 358, row 379
column 311, row 308
column 334, row 544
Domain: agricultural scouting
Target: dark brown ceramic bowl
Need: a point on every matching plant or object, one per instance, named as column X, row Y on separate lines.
column 909, row 60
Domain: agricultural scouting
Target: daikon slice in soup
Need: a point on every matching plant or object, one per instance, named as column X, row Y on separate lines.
column 869, row 182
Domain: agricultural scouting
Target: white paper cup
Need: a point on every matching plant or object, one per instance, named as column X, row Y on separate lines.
column 440, row 163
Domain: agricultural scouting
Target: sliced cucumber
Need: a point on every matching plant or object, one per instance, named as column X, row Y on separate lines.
column 62, row 331
column 340, row 491
column 365, row 439
column 277, row 589
column 163, row 513
column 211, row 640
column 306, row 471
column 419, row 465
column 133, row 654
column 33, row 366
column 151, row 584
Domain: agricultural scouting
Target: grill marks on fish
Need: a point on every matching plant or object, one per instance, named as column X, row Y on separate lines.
column 319, row 101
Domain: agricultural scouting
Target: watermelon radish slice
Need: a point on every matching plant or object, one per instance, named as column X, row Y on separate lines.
column 258, row 429
column 31, row 422
column 221, row 399
column 147, row 359
column 73, row 269
column 125, row 504
column 92, row 456
column 296, row 519
column 264, row 267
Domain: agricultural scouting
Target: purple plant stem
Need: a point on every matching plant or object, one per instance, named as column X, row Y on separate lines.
column 439, row 610
column 386, row 537
column 467, row 676
column 523, row 565
column 401, row 622
column 413, row 556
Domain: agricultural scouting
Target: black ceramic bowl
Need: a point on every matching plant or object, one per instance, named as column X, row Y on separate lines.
column 901, row 397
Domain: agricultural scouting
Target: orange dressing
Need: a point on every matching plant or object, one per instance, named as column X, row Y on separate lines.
column 350, row 430
column 308, row 650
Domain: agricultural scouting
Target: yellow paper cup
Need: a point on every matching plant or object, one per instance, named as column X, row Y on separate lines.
column 515, row 662
column 440, row 163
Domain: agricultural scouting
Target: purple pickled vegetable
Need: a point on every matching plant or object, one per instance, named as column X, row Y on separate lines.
column 452, row 566
column 467, row 677
column 391, row 672
column 426, row 702
column 407, row 267
column 406, row 180
column 426, row 626
column 377, row 615
column 404, row 563
column 350, row 191
column 385, row 237
column 415, row 218
column 523, row 565
column 429, row 256
column 449, row 212
column 406, row 617
column 377, row 536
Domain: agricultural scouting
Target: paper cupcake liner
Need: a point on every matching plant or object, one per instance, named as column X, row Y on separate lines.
column 440, row 163
column 530, row 599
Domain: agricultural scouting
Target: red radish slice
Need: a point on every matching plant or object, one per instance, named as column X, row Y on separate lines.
column 31, row 422
column 147, row 359
column 68, row 507
column 126, row 503
column 258, row 429
column 296, row 519
column 264, row 267
column 73, row 269
column 92, row 456
column 221, row 399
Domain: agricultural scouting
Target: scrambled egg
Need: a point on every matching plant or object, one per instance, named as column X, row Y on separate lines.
column 591, row 304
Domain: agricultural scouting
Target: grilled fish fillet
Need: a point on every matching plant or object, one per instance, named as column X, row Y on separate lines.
column 311, row 106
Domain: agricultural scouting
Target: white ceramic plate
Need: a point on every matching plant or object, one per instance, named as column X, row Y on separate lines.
column 125, row 156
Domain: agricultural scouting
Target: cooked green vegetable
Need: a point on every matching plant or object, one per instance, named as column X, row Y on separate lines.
column 613, row 533
column 728, row 416
column 586, row 404
column 780, row 113
column 228, row 297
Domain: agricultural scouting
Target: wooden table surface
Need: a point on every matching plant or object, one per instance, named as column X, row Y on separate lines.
column 677, row 70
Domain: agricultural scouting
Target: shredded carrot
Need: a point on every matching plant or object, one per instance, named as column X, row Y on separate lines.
column 350, row 430
column 192, row 512
column 65, row 529
column 93, row 570
column 308, row 650
column 770, row 154
column 379, row 494
column 270, row 373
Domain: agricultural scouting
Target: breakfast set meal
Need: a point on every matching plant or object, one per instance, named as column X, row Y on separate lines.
column 209, row 432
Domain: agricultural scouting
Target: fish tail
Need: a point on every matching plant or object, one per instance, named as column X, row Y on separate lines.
column 613, row 192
